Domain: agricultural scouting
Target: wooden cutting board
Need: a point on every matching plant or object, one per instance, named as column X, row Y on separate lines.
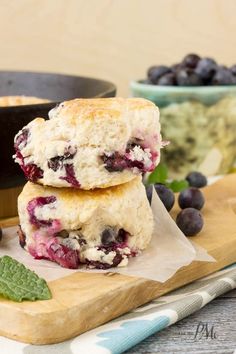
column 83, row 301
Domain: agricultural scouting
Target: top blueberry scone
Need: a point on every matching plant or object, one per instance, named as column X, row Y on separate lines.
column 91, row 143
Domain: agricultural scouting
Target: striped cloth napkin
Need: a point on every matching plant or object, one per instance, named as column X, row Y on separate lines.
column 126, row 331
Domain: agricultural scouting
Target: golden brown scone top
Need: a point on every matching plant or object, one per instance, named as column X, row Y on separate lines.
column 113, row 107
column 32, row 190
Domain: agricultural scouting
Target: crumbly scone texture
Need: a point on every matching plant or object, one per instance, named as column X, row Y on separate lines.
column 85, row 215
column 69, row 148
column 7, row 101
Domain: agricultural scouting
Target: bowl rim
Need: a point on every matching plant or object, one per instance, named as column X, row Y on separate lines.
column 179, row 89
column 110, row 88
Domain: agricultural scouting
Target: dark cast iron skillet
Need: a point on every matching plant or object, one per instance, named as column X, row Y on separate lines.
column 55, row 87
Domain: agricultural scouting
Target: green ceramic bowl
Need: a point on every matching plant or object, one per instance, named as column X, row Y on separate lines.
column 199, row 122
column 165, row 95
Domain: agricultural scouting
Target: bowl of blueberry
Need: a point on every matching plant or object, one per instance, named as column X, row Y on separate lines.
column 197, row 101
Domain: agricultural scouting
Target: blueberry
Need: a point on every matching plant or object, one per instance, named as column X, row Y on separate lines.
column 21, row 139
column 196, row 179
column 155, row 72
column 39, row 202
column 63, row 255
column 117, row 259
column 191, row 198
column 166, row 195
column 223, row 76
column 175, row 67
column 167, row 80
column 206, row 68
column 146, row 82
column 233, row 69
column 132, row 143
column 190, row 221
column 114, row 162
column 32, row 172
column 187, row 77
column 149, row 189
column 70, row 175
column 55, row 163
column 191, row 61
column 108, row 236
column 122, row 236
column 63, row 234
column 101, row 265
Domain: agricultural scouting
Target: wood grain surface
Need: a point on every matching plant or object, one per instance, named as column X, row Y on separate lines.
column 115, row 40
column 8, row 202
column 179, row 338
column 80, row 295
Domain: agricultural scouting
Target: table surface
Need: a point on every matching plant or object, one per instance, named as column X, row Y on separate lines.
column 212, row 330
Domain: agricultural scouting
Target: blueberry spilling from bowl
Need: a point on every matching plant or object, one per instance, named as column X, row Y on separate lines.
column 192, row 71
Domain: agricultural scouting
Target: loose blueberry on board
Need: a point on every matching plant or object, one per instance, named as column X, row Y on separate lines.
column 190, row 60
column 155, row 72
column 166, row 195
column 190, row 221
column 191, row 198
column 196, row 179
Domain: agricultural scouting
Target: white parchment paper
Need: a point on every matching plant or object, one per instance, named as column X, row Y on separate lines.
column 168, row 251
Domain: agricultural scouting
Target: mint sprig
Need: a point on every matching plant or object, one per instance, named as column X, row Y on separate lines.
column 18, row 283
column 160, row 175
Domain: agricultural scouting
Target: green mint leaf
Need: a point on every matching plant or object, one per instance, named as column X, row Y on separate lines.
column 159, row 175
column 178, row 186
column 18, row 283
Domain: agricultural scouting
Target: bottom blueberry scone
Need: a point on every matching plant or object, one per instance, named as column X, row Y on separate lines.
column 99, row 228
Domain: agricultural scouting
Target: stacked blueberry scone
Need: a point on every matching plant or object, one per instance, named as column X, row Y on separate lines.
column 85, row 202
